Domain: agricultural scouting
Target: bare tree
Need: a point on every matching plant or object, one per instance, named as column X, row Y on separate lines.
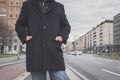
column 5, row 35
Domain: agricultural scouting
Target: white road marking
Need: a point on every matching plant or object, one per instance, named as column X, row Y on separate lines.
column 116, row 74
column 11, row 63
column 97, row 62
column 71, row 75
column 22, row 76
column 79, row 74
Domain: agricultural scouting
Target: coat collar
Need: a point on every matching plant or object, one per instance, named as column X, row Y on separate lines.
column 37, row 7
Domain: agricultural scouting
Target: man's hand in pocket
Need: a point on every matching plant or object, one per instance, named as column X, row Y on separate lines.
column 59, row 38
column 28, row 38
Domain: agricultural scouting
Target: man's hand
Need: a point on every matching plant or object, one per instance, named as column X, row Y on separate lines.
column 59, row 38
column 28, row 38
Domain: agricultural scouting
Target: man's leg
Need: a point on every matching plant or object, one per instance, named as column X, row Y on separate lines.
column 38, row 75
column 58, row 75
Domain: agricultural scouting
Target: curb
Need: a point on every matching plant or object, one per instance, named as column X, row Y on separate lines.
column 71, row 74
column 11, row 63
column 22, row 76
column 76, row 74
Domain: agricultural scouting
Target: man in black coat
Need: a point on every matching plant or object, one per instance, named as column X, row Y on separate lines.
column 43, row 26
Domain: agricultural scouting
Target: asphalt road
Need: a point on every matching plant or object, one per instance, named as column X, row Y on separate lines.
column 94, row 68
column 11, row 67
column 11, row 60
column 12, row 71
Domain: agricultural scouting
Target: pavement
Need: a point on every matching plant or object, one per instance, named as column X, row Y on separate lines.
column 71, row 73
column 90, row 67
column 12, row 67
column 6, row 62
column 11, row 60
column 10, row 72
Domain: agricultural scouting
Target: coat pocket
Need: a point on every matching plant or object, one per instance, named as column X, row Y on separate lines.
column 58, row 45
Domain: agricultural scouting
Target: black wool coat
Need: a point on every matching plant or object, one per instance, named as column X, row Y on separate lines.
column 43, row 52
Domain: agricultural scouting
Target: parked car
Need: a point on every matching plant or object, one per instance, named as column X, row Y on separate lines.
column 68, row 53
column 79, row 52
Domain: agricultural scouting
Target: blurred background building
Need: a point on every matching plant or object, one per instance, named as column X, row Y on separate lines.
column 99, row 39
column 9, row 12
column 116, row 31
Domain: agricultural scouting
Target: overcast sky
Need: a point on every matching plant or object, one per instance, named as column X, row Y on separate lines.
column 83, row 15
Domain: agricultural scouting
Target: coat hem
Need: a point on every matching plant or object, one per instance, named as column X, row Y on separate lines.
column 62, row 69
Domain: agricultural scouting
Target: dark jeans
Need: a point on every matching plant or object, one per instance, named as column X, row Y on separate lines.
column 54, row 75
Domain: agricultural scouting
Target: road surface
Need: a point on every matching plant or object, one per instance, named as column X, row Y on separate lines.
column 94, row 68
column 12, row 71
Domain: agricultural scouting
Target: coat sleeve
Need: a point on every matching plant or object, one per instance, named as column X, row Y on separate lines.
column 21, row 25
column 65, row 26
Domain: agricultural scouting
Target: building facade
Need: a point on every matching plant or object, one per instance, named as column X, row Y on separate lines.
column 116, row 32
column 3, row 18
column 116, row 28
column 104, row 37
column 9, row 11
column 81, row 42
column 105, row 33
column 99, row 38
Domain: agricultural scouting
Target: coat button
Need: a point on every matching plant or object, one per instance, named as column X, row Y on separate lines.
column 44, row 27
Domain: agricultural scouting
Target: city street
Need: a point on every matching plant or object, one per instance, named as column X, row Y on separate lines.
column 80, row 36
column 12, row 71
column 88, row 66
column 94, row 68
column 6, row 61
column 10, row 68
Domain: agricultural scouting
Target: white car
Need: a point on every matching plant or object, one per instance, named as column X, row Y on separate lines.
column 79, row 52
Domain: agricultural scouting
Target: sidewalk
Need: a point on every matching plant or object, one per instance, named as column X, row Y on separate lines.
column 70, row 73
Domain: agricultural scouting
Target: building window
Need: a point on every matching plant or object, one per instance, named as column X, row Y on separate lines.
column 2, row 10
column 15, row 40
column 11, row 16
column 15, row 47
column 11, row 9
column 101, row 33
column 101, row 39
column 17, row 3
column 10, row 41
column 11, row 3
column 9, row 48
column 16, row 16
column 101, row 43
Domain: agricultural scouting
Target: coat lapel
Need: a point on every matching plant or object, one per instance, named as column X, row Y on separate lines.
column 51, row 6
column 37, row 8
